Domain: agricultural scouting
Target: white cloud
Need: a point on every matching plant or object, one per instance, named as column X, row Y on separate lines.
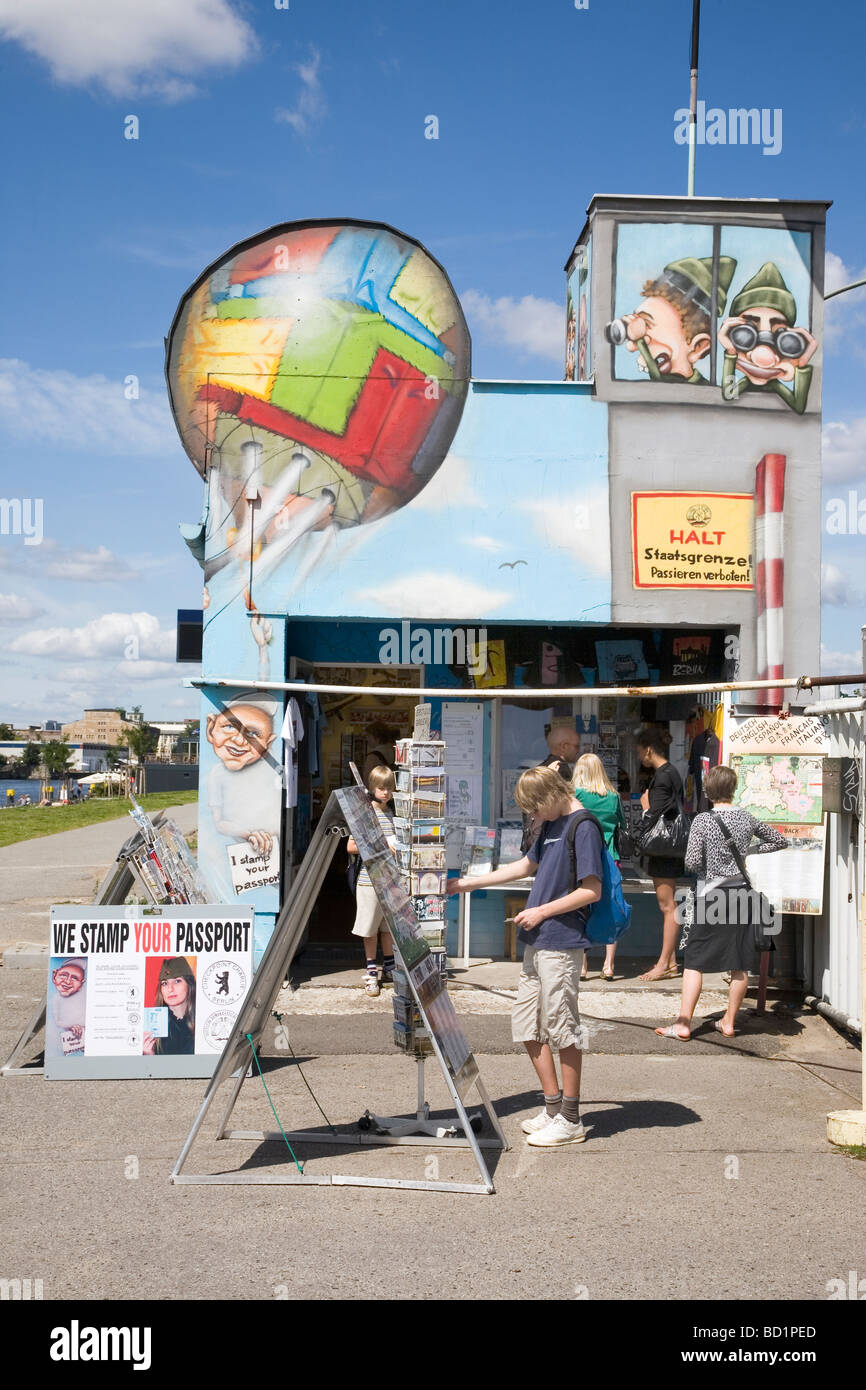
column 82, row 412
column 486, row 543
column 843, row 451
column 837, row 589
column 839, row 663
column 450, row 486
column 111, row 635
column 432, row 594
column 844, row 317
column 535, row 326
column 130, row 49
column 52, row 561
column 15, row 609
column 578, row 525
column 310, row 106
column 152, row 670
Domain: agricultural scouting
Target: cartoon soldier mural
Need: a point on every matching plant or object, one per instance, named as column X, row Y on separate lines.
column 760, row 341
column 670, row 329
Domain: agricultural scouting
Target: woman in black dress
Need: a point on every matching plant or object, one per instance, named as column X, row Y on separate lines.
column 663, row 797
column 714, row 945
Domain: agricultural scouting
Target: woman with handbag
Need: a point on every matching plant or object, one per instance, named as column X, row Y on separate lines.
column 728, row 912
column 662, row 839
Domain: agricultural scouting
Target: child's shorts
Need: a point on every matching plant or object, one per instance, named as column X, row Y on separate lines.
column 369, row 918
column 545, row 1009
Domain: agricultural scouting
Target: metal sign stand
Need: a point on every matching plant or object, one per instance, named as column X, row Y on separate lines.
column 250, row 1023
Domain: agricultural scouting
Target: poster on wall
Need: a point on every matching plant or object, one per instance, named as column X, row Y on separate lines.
column 240, row 808
column 690, row 540
column 463, row 733
column 136, row 995
column 786, row 791
column 736, row 318
column 621, row 661
column 800, row 733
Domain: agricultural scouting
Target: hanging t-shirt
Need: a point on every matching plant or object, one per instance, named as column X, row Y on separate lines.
column 292, row 732
column 706, row 752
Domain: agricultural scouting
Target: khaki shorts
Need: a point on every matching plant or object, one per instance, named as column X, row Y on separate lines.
column 545, row 1009
column 368, row 914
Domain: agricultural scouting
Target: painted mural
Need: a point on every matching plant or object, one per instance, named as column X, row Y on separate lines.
column 515, row 523
column 317, row 375
column 735, row 317
column 578, row 364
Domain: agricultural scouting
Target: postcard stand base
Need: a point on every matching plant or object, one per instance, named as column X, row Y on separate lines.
column 420, row 1123
column 257, row 1010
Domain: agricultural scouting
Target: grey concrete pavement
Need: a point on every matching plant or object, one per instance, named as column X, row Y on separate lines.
column 66, row 867
column 706, row 1174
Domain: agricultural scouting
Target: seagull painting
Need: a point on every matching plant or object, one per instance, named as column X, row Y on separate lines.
column 511, row 564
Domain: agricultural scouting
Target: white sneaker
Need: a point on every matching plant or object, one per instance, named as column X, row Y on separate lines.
column 536, row 1123
column 371, row 985
column 556, row 1132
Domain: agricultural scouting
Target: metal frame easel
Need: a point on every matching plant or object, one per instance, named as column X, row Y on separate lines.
column 341, row 809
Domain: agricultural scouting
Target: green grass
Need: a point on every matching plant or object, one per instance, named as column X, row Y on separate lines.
column 852, row 1150
column 29, row 822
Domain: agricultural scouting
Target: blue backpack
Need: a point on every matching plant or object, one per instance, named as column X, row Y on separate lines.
column 611, row 915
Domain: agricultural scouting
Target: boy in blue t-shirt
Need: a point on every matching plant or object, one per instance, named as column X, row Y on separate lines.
column 552, row 925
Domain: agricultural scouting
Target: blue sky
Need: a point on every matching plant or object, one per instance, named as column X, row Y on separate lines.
column 251, row 115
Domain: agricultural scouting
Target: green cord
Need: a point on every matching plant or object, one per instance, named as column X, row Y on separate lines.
column 249, row 1038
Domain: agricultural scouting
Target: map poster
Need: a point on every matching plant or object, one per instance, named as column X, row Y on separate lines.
column 793, row 878
column 781, row 790
column 786, row 791
column 133, row 994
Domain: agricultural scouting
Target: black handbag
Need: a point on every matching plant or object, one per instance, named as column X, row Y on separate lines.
column 760, row 913
column 663, row 836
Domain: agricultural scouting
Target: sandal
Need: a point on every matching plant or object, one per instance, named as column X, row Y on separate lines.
column 607, row 975
column 671, row 1032
column 672, row 973
column 717, row 1024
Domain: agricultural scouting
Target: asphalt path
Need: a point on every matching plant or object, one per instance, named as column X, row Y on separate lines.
column 706, row 1174
column 64, row 868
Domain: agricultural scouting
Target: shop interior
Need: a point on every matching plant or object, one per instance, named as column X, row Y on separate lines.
column 511, row 734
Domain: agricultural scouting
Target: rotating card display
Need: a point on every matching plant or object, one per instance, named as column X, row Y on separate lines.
column 419, row 826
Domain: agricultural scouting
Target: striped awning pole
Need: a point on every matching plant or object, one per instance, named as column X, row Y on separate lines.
column 770, row 571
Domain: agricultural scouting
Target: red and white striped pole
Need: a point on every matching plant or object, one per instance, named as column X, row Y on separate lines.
column 770, row 571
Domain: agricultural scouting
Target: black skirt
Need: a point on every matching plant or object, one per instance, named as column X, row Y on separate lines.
column 710, row 948
column 664, row 866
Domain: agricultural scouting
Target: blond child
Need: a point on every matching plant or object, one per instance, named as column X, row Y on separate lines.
column 369, row 918
column 553, row 929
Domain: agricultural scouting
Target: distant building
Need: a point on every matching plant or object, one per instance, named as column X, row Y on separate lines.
column 176, row 742
column 99, row 726
column 84, row 757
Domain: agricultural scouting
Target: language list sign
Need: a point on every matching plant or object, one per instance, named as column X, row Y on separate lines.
column 132, row 995
column 693, row 540
column 800, row 733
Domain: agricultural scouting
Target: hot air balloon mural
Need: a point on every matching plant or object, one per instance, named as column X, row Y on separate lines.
column 317, row 375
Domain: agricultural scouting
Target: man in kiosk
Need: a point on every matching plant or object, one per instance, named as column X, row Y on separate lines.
column 553, row 929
